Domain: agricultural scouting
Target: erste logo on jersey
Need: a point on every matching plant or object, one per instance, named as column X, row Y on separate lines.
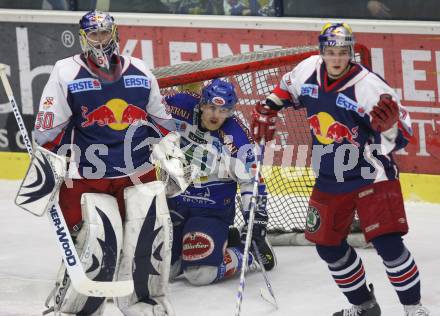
column 85, row 84
column 134, row 81
column 328, row 130
column 346, row 103
column 310, row 90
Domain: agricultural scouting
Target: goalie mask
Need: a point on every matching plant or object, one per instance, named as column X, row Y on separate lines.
column 336, row 35
column 100, row 45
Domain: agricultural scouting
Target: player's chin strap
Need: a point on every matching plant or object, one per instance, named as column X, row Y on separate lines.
column 259, row 150
column 42, row 191
column 171, row 165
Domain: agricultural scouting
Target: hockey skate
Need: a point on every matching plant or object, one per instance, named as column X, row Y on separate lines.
column 369, row 308
column 416, row 310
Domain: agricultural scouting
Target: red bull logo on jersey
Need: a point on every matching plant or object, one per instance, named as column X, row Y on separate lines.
column 346, row 103
column 328, row 131
column 48, row 102
column 310, row 90
column 85, row 84
column 115, row 114
column 137, row 82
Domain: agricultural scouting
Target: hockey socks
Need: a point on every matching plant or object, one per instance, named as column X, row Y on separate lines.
column 400, row 266
column 232, row 263
column 347, row 270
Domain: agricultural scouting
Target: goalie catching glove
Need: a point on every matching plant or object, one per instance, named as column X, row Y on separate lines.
column 171, row 165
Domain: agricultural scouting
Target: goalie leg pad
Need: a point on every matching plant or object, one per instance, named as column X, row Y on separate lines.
column 98, row 244
column 146, row 253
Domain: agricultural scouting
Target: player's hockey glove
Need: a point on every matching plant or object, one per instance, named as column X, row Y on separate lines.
column 263, row 122
column 259, row 232
column 260, row 220
column 385, row 114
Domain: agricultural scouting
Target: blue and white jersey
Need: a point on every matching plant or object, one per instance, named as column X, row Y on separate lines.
column 225, row 157
column 99, row 121
column 347, row 152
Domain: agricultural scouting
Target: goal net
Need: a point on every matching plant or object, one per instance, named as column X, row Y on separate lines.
column 286, row 171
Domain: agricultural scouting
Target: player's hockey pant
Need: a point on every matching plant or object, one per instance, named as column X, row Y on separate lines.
column 200, row 241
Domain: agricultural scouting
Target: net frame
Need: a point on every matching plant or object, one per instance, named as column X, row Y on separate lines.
column 280, row 201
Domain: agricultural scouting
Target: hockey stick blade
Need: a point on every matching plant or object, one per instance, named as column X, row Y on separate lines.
column 268, row 297
column 267, row 294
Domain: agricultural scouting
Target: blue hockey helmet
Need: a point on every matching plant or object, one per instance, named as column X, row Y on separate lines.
column 99, row 38
column 220, row 93
column 336, row 35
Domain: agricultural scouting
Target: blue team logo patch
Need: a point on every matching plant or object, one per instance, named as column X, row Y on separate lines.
column 310, row 89
column 85, row 84
column 137, row 82
column 346, row 103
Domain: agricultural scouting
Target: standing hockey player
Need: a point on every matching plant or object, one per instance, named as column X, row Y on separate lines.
column 92, row 107
column 215, row 140
column 356, row 121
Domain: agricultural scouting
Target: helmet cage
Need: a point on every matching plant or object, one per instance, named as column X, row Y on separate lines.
column 101, row 53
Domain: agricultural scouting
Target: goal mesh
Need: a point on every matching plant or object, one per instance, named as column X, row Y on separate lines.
column 254, row 75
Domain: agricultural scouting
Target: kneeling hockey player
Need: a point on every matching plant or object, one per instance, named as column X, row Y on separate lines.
column 215, row 140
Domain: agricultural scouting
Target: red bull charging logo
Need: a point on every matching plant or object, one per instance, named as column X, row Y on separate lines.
column 327, row 130
column 116, row 114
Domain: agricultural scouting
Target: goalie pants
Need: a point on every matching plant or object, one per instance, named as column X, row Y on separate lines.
column 70, row 195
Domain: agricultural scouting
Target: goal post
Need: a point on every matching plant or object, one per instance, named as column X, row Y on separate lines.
column 286, row 166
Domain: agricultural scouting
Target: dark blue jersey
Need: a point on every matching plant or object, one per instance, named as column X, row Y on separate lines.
column 347, row 153
column 225, row 156
column 102, row 123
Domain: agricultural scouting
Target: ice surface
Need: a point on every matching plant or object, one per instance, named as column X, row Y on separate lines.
column 29, row 261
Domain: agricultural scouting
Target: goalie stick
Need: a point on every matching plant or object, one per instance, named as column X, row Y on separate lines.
column 247, row 244
column 81, row 283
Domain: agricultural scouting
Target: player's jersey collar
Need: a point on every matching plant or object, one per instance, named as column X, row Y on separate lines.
column 339, row 83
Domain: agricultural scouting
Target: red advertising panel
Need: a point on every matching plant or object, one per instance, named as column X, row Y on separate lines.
column 410, row 64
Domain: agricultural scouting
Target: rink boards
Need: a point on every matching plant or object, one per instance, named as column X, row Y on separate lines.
column 415, row 187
